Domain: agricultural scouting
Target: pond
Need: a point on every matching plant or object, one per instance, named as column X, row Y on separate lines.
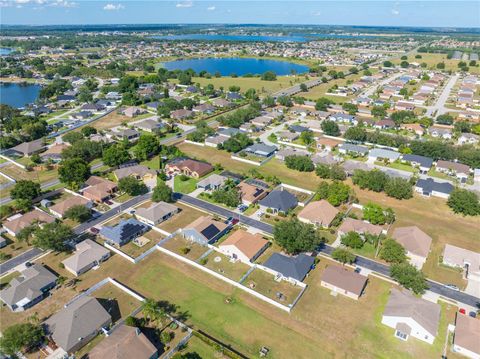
column 214, row 37
column 18, row 94
column 5, row 51
column 239, row 66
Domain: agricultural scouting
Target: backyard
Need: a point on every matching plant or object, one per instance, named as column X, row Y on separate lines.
column 184, row 247
column 222, row 265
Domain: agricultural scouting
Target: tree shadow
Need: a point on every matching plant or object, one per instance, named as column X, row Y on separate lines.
column 111, row 306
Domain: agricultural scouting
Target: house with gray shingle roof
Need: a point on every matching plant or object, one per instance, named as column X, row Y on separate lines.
column 156, row 213
column 123, row 232
column 383, row 154
column 87, row 255
column 279, row 201
column 293, row 269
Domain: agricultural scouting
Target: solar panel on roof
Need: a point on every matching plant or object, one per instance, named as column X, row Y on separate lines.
column 210, row 232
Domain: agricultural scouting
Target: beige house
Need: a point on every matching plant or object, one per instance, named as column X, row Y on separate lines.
column 343, row 281
column 319, row 213
column 466, row 340
column 359, row 226
column 416, row 243
column 244, row 246
column 87, row 255
column 156, row 213
column 139, row 172
column 59, row 209
column 15, row 224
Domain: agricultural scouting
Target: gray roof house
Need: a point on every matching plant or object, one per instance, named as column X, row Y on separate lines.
column 87, row 255
column 261, row 149
column 77, row 324
column 424, row 163
column 123, row 232
column 381, row 153
column 29, row 148
column 351, row 148
column 279, row 201
column 290, row 268
column 428, row 187
column 156, row 213
column 149, row 125
column 212, row 182
column 229, row 132
column 29, row 288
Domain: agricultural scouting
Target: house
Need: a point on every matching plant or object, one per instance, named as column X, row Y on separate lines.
column 156, row 213
column 287, row 136
column 384, row 124
column 422, row 162
column 325, row 158
column 343, row 281
column 229, row 131
column 251, row 193
column 29, row 288
column 99, row 189
column 298, row 129
column 126, row 134
column 153, row 105
column 278, row 201
column 235, row 96
column 377, row 154
column 466, row 337
column 77, row 323
column 465, row 259
column 138, row 172
column 13, row 225
column 149, row 125
column 293, row 269
column 411, row 316
column 205, row 230
column 351, row 166
column 404, row 106
column 133, row 111
column 123, row 232
column 261, row 121
column 428, row 187
column 413, row 127
column 468, row 138
column 189, row 167
column 289, row 151
column 82, row 115
column 54, row 152
column 59, row 209
column 454, row 168
column 359, row 226
column 343, row 117
column 348, row 148
column 243, row 246
column 327, row 143
column 124, row 342
column 416, row 243
column 212, row 182
column 444, row 132
column 88, row 254
column 93, row 107
column 3, row 242
column 215, row 140
column 319, row 213
column 113, row 95
column 29, row 148
column 261, row 149
column 181, row 114
column 204, row 108
column 221, row 102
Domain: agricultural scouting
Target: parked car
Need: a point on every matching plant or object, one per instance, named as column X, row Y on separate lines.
column 94, row 230
column 242, row 208
column 453, row 287
column 358, row 270
column 472, row 314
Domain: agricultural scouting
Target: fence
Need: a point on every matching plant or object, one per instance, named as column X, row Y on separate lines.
column 180, row 344
column 13, row 162
column 195, row 143
column 293, row 145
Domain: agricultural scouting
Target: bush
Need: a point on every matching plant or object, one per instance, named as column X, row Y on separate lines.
column 299, row 163
column 409, row 277
column 343, row 255
column 392, row 251
column 464, row 201
column 335, row 193
column 352, row 240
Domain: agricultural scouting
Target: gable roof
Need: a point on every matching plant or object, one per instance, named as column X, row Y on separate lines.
column 136, row 170
column 199, row 167
column 124, row 230
column 422, row 160
column 383, row 153
column 467, row 333
column 251, row 193
column 207, row 227
column 247, row 243
column 29, row 147
column 156, row 211
column 212, row 180
column 86, row 252
column 459, row 256
column 404, row 304
column 320, row 212
column 428, row 185
column 413, row 239
column 359, row 226
column 68, row 203
column 280, row 199
column 344, row 279
column 291, row 267
column 455, row 166
column 36, row 215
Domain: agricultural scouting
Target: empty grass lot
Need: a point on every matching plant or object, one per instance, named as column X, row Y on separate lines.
column 37, row 176
column 222, row 265
column 433, row 59
column 187, row 186
column 186, row 216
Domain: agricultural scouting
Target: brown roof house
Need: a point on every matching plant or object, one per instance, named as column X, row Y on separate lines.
column 29, row 148
column 359, row 226
column 341, row 280
column 411, row 316
column 139, row 172
column 156, row 213
column 454, row 168
column 87, row 255
column 244, row 246
column 416, row 242
column 467, row 336
column 59, row 209
column 133, row 111
column 465, row 259
column 78, row 323
column 250, row 193
column 99, row 189
column 189, row 167
column 15, row 224
column 124, row 343
column 319, row 213
column 205, row 230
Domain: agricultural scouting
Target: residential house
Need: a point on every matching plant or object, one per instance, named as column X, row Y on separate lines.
column 384, row 124
column 413, row 127
column 466, row 337
column 411, row 316
column 343, row 281
column 181, row 114
column 204, row 108
column 251, row 193
column 29, row 148
column 468, row 138
column 82, row 115
column 221, row 102
column 278, row 201
column 428, row 187
column 126, row 134
column 378, row 154
column 153, row 105
column 422, row 162
column 445, row 132
column 287, row 136
column 319, row 213
column 13, row 225
column 243, row 246
column 189, row 167
column 99, row 189
column 468, row 261
column 123, row 232
column 139, row 172
column 212, row 182
column 404, row 106
column 343, row 117
column 293, row 269
column 205, row 230
column 133, row 111
column 124, row 342
column 261, row 149
column 215, row 140
column 88, row 254
column 289, row 151
column 229, row 131
column 54, row 152
column 325, row 158
column 328, row 144
column 261, row 121
column 416, row 242
column 93, row 107
column 59, row 209
column 350, row 166
column 460, row 170
column 357, row 150
column 29, row 288
column 149, row 125
column 156, row 213
column 76, row 324
column 360, row 227
column 234, row 96
column 298, row 129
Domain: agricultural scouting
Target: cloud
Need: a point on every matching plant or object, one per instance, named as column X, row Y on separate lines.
column 184, row 4
column 60, row 3
column 395, row 12
column 211, row 8
column 113, row 7
column 317, row 13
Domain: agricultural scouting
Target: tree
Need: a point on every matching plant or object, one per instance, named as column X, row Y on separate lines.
column 299, row 163
column 307, row 137
column 444, row 119
column 251, row 94
column 330, row 128
column 72, row 137
column 295, row 237
column 335, row 193
column 337, row 173
column 132, row 186
column 356, row 133
column 464, row 201
column 146, row 146
column 87, row 131
column 343, row 255
column 25, row 189
column 409, row 277
column 152, row 310
column 388, row 64
column 236, row 143
column 398, row 188
column 462, row 127
column 322, row 104
column 269, row 76
column 73, row 172
column 303, row 87
column 52, row 236
column 404, row 64
column 84, row 149
column 392, row 251
column 352, row 240
column 351, row 108
column 20, row 336
column 162, row 193
column 373, row 213
column 78, row 213
column 115, row 155
column 374, row 180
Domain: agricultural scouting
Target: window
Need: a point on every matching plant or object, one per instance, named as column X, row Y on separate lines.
column 401, row 335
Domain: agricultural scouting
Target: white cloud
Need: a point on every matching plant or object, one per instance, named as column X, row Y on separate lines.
column 317, row 13
column 395, row 12
column 60, row 3
column 113, row 7
column 184, row 4
column 211, row 8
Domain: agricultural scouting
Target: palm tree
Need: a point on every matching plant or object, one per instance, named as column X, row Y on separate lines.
column 152, row 310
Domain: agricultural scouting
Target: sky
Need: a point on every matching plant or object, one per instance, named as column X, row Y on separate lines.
column 426, row 13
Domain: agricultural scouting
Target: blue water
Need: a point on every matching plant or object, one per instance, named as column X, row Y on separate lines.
column 211, row 37
column 4, row 51
column 239, row 66
column 18, row 95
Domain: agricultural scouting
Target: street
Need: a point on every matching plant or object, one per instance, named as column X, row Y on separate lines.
column 20, row 259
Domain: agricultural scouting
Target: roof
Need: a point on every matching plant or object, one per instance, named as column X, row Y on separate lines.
column 280, row 199
column 68, row 203
column 457, row 167
column 291, row 267
column 195, row 166
column 413, row 239
column 359, row 226
column 467, row 333
column 353, row 148
column 156, row 211
column 86, row 252
column 28, row 284
column 460, row 256
column 261, row 149
column 320, row 212
column 247, row 243
column 212, row 180
column 124, row 343
column 328, row 142
column 136, row 170
column 149, row 124
column 78, row 320
column 382, row 153
column 29, row 147
column 422, row 160
column 428, row 185
column 250, row 192
column 17, row 224
column 344, row 279
column 207, row 227
column 405, row 305
column 123, row 230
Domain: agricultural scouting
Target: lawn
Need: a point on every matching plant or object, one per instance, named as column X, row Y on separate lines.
column 134, row 251
column 222, row 265
column 6, row 279
column 320, row 90
column 111, row 120
column 186, row 216
column 187, row 186
column 13, row 247
column 37, row 176
column 177, row 244
column 433, row 59
column 203, row 350
column 118, row 303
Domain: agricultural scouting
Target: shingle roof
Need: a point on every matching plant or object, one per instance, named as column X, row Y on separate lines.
column 428, row 185
column 422, row 160
column 344, row 279
column 467, row 333
column 207, row 227
column 413, row 239
column 137, row 170
column 16, row 225
column 382, row 153
column 247, row 243
column 290, row 267
column 280, row 200
column 29, row 147
column 124, row 230
column 156, row 211
column 359, row 226
column 320, row 212
column 68, row 203
column 86, row 252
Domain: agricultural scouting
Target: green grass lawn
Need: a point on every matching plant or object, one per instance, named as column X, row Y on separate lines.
column 187, row 186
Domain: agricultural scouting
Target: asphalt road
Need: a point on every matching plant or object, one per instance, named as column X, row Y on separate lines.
column 20, row 259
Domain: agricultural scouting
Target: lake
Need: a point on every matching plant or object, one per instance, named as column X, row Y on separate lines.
column 213, row 37
column 18, row 95
column 5, row 51
column 239, row 66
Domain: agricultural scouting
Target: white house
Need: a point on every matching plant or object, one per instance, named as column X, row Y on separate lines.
column 467, row 336
column 243, row 246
